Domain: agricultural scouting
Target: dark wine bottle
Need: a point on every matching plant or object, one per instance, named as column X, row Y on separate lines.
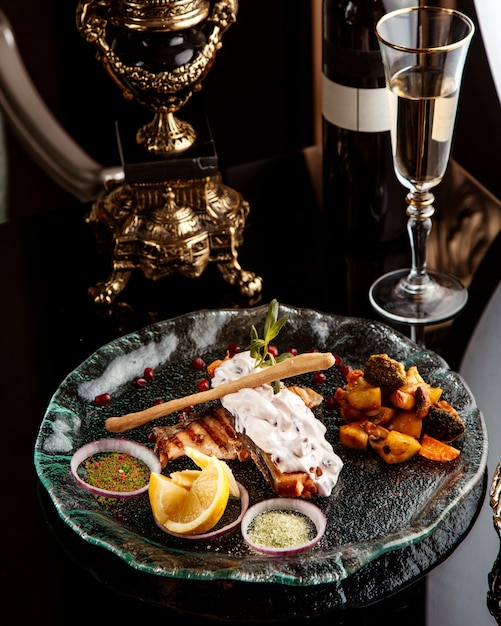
column 364, row 203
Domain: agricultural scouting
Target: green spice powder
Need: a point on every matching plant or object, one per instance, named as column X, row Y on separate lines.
column 281, row 529
column 116, row 471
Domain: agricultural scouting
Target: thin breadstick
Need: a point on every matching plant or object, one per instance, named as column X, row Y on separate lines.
column 294, row 366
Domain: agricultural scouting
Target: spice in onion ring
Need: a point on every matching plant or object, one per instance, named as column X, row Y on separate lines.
column 282, row 526
column 132, row 449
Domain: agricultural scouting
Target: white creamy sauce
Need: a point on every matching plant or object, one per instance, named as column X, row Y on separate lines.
column 280, row 424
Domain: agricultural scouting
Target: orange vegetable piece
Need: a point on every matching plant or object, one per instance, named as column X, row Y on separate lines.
column 436, row 450
column 354, row 377
column 212, row 367
column 413, row 376
column 435, row 393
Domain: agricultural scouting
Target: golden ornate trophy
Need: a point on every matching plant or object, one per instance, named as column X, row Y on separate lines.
column 172, row 212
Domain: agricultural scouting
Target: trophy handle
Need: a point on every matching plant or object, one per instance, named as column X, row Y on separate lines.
column 91, row 19
column 40, row 133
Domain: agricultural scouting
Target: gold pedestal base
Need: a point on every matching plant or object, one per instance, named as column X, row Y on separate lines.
column 165, row 134
column 174, row 226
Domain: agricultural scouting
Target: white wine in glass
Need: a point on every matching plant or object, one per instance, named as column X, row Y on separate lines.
column 423, row 50
column 424, row 105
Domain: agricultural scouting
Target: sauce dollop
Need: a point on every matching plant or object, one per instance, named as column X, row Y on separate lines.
column 280, row 424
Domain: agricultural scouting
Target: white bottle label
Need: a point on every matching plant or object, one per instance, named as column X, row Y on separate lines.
column 364, row 110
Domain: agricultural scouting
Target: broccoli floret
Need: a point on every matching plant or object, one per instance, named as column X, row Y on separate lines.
column 382, row 371
column 443, row 425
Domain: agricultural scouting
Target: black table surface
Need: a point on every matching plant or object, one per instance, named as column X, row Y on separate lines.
column 49, row 326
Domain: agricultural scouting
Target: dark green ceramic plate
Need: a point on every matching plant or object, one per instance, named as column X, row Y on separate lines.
column 375, row 508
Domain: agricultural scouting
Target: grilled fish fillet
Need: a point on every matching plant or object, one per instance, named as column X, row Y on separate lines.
column 212, row 432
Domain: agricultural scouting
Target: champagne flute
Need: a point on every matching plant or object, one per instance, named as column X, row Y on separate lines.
column 424, row 51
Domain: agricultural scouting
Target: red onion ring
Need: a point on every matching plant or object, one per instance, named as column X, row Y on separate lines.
column 132, row 448
column 308, row 509
column 244, row 504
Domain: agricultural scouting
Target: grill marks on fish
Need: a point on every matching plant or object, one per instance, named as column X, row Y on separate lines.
column 211, row 432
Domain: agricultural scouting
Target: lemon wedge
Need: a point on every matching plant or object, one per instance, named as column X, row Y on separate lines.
column 166, row 497
column 185, row 478
column 202, row 461
column 192, row 509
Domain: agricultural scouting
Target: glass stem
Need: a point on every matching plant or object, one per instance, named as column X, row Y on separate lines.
column 420, row 212
column 418, row 335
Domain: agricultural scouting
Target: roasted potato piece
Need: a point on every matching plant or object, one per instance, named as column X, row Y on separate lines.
column 407, row 422
column 347, row 413
column 396, row 447
column 353, row 436
column 364, row 398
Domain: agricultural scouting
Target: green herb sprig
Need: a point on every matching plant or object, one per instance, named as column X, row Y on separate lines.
column 259, row 348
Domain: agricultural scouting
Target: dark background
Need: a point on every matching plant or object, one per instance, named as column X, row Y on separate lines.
column 258, row 95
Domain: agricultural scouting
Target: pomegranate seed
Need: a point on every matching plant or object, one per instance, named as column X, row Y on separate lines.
column 103, row 399
column 158, row 401
column 232, row 349
column 319, row 378
column 203, row 385
column 330, row 403
column 139, row 382
column 313, row 350
column 292, row 351
column 273, row 350
column 148, row 373
column 337, row 360
column 345, row 370
column 198, row 363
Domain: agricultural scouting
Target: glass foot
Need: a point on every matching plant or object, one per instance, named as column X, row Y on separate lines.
column 438, row 299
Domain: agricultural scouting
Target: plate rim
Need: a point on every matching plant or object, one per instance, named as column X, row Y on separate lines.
column 340, row 570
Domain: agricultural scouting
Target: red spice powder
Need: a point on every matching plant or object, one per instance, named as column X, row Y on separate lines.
column 116, row 471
